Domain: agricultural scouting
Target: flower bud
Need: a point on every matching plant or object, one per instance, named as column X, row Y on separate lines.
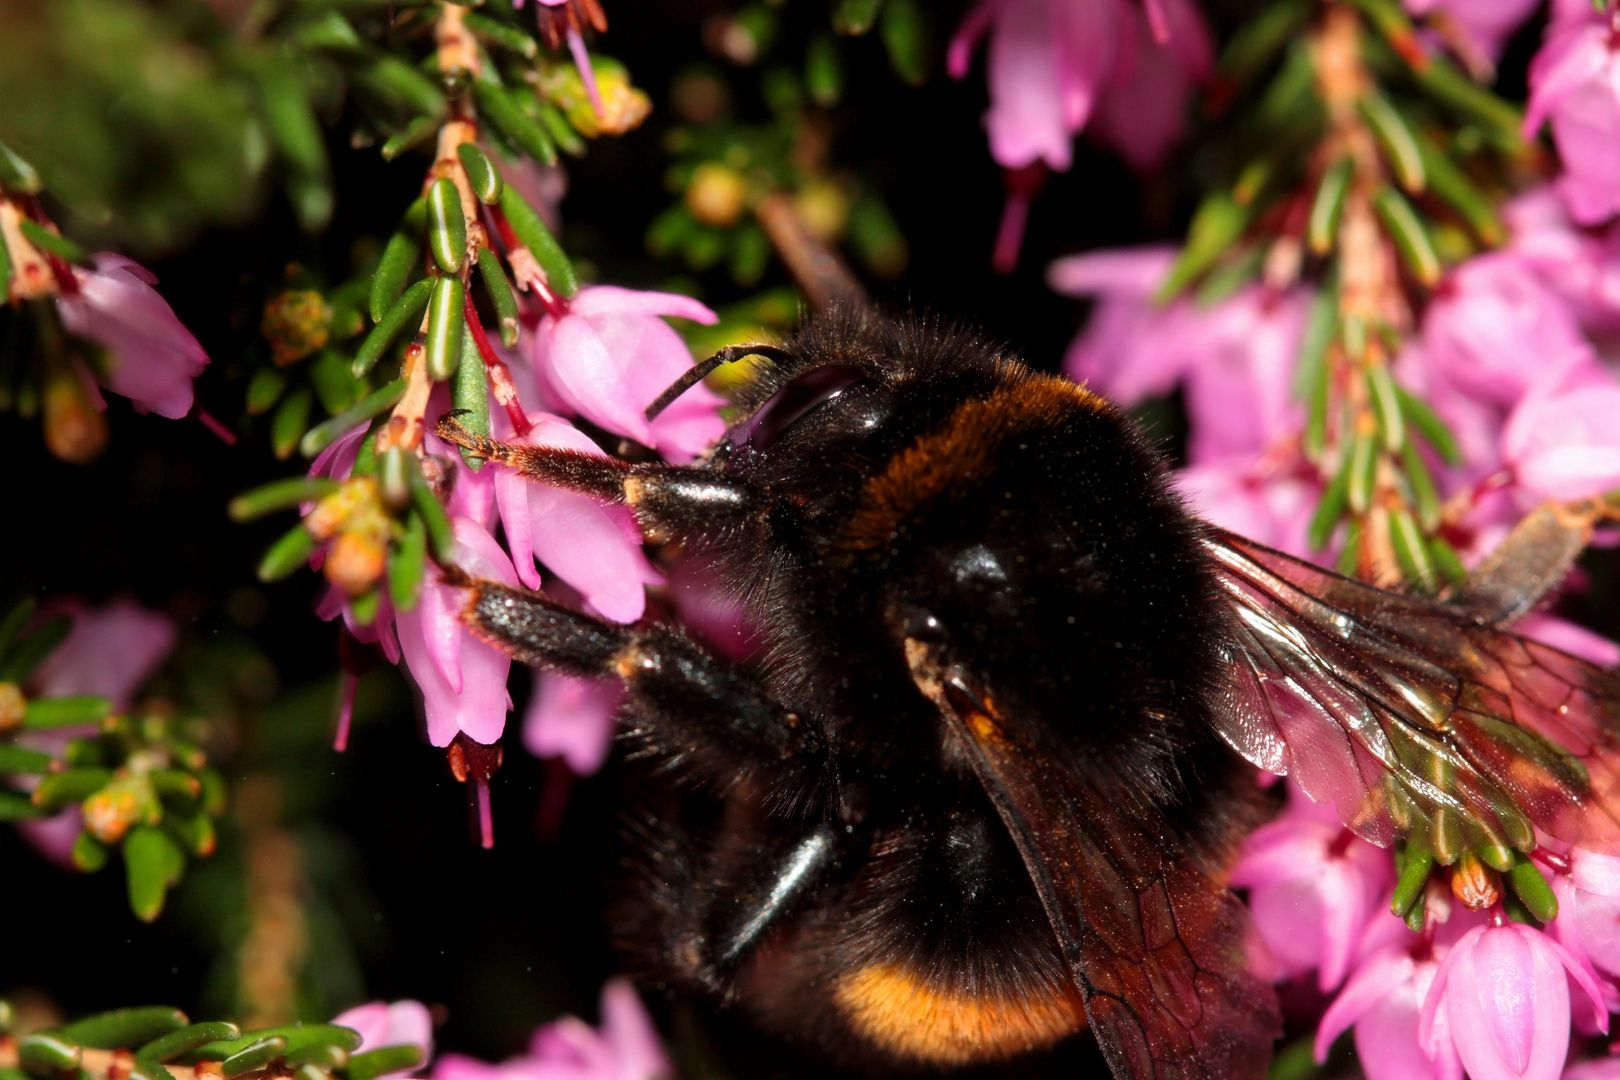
column 355, row 561
column 296, row 323
column 716, row 195
column 75, row 431
column 13, row 706
column 118, row 807
column 1476, row 885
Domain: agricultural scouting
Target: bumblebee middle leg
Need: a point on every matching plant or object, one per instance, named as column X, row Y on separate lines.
column 698, row 711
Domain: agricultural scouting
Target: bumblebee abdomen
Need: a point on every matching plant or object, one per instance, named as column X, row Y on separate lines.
column 898, row 1011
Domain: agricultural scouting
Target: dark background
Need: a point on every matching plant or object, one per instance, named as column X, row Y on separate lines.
column 505, row 939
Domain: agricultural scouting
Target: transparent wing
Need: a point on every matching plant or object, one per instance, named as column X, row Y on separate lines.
column 1411, row 717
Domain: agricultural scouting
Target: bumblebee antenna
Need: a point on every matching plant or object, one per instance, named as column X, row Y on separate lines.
column 690, row 378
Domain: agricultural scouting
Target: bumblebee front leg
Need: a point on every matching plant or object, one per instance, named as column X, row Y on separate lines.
column 699, row 711
column 671, row 502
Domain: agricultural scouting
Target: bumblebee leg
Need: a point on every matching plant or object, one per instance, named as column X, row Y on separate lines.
column 700, row 711
column 671, row 502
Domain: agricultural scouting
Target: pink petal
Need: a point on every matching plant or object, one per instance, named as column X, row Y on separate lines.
column 582, row 368
column 1379, row 976
column 630, row 1032
column 572, row 718
column 582, row 544
column 959, row 54
column 1508, row 1005
column 1133, row 271
column 109, row 652
column 614, row 300
column 1027, row 120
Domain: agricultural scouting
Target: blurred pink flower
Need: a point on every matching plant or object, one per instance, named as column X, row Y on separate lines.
column 572, row 718
column 1487, row 23
column 1493, row 327
column 1563, row 438
column 609, row 354
column 1132, row 347
column 109, row 652
column 401, row 1023
column 1575, row 85
column 1501, row 1003
column 462, row 678
column 1143, row 109
column 151, row 357
column 1054, row 64
column 592, row 546
column 1235, row 358
column 1273, row 508
column 1580, row 265
column 1313, row 886
column 1383, row 1000
column 626, row 1047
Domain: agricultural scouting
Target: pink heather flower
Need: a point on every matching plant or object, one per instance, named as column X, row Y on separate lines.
column 1588, row 922
column 626, row 1047
column 1235, row 358
column 1563, row 439
column 109, row 652
column 1575, row 85
column 1580, row 265
column 1500, row 1002
column 1143, row 111
column 402, row 1023
column 1131, row 348
column 572, row 718
column 1273, row 507
column 608, row 355
column 594, row 547
column 462, row 678
column 1383, row 999
column 1493, row 327
column 151, row 356
column 1313, row 886
column 1053, row 64
column 1487, row 23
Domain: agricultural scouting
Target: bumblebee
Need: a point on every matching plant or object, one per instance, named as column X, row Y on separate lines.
column 985, row 788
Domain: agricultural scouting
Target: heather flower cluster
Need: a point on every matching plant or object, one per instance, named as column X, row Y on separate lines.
column 602, row 355
column 1512, row 350
column 1472, row 992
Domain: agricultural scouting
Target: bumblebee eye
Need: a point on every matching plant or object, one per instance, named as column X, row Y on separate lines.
column 795, row 401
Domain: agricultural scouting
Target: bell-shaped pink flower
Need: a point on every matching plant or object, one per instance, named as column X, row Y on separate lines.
column 462, row 678
column 1501, row 999
column 1131, row 348
column 1270, row 505
column 151, row 357
column 609, row 354
column 1493, row 327
column 400, row 1023
column 594, row 547
column 1563, row 439
column 1313, row 886
column 1055, row 65
column 626, row 1047
column 109, row 652
column 1143, row 110
column 1383, row 1000
column 1487, row 23
column 1575, row 85
column 572, row 718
